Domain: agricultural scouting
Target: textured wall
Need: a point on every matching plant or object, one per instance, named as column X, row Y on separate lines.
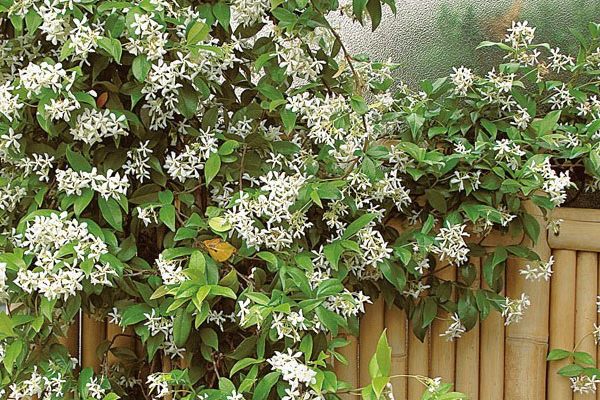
column 428, row 37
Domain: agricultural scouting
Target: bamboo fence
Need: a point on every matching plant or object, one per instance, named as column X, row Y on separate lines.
column 491, row 362
column 494, row 362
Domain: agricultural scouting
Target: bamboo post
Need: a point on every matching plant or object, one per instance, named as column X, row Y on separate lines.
column 467, row 355
column 491, row 357
column 527, row 341
column 418, row 363
column 396, row 325
column 71, row 340
column 443, row 351
column 585, row 306
column 114, row 333
column 349, row 372
column 598, row 317
column 562, row 319
column 167, row 366
column 371, row 327
column 92, row 335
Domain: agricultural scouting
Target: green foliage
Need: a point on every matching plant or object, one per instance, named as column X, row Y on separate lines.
column 231, row 187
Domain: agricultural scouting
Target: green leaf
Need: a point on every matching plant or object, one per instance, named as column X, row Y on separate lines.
column 182, row 326
column 288, row 118
column 77, row 161
column 141, row 67
column 111, row 212
column 222, row 13
column 262, row 390
column 10, row 356
column 197, row 33
column 437, row 200
column 209, row 337
column 571, row 370
column 244, row 363
column 359, row 105
column 187, row 103
column 112, row 47
column 212, row 167
column 384, row 355
column 358, row 224
column 583, row 358
column 558, row 354
column 82, row 201
column 374, row 9
column 219, row 224
column 167, row 216
column 532, row 227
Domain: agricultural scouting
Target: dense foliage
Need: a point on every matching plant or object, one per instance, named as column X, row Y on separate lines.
column 228, row 184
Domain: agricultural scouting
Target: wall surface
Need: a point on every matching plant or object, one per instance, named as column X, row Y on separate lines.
column 428, row 37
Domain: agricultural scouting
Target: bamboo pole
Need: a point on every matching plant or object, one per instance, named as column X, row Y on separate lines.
column 371, row 327
column 562, row 319
column 92, row 335
column 349, row 372
column 443, row 351
column 418, row 363
column 585, row 306
column 491, row 357
column 396, row 325
column 576, row 235
column 167, row 366
column 114, row 333
column 467, row 354
column 71, row 340
column 598, row 319
column 527, row 341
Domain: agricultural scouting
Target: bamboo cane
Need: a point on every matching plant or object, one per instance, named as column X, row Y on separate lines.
column 598, row 319
column 467, row 355
column 371, row 327
column 562, row 319
column 491, row 357
column 527, row 341
column 71, row 340
column 585, row 306
column 167, row 366
column 576, row 235
column 418, row 363
column 92, row 335
column 349, row 372
column 443, row 351
column 396, row 325
column 114, row 333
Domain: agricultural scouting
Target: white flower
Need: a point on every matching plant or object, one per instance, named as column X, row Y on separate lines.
column 520, row 35
column 450, row 244
column 584, row 384
column 513, row 309
column 158, row 385
column 463, row 79
column 95, row 390
column 455, row 329
column 293, row 372
column 36, row 77
column 9, row 103
column 93, row 126
column 539, row 270
column 55, row 273
column 560, row 62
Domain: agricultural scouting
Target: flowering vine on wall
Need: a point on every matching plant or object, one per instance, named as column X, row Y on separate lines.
column 229, row 185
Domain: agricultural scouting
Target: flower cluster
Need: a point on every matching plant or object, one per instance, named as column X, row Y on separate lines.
column 63, row 249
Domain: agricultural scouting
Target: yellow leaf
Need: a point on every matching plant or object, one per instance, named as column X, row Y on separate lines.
column 219, row 250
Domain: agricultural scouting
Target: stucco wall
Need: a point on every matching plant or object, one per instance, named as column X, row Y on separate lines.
column 428, row 37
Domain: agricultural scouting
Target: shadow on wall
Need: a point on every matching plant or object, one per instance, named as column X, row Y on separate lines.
column 428, row 37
